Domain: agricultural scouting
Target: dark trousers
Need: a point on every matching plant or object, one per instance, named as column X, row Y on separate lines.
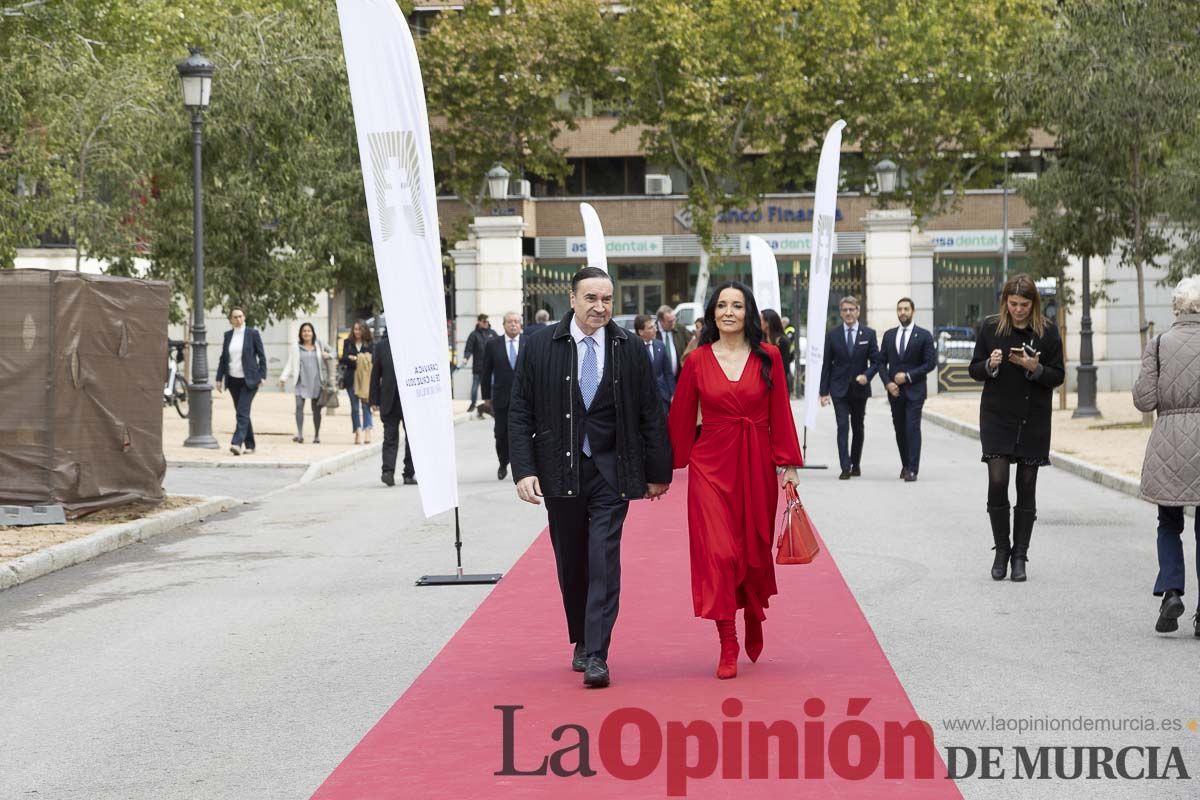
column 501, row 428
column 586, row 534
column 849, row 412
column 391, row 445
column 906, row 419
column 243, row 398
column 1170, row 549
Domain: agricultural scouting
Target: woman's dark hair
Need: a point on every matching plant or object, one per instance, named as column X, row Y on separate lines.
column 640, row 321
column 774, row 331
column 366, row 337
column 300, row 333
column 753, row 330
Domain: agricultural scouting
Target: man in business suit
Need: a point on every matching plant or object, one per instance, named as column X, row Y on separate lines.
column 587, row 431
column 385, row 399
column 242, row 367
column 499, row 361
column 851, row 361
column 540, row 320
column 674, row 337
column 907, row 356
column 656, row 351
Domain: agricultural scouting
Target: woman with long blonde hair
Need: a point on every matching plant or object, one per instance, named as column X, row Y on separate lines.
column 1018, row 358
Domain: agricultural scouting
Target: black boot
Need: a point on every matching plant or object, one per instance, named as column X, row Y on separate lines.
column 1022, row 530
column 999, row 516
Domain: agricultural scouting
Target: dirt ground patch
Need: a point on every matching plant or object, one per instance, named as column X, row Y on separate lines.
column 18, row 541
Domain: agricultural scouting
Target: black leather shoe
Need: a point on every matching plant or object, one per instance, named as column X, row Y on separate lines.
column 1196, row 624
column 579, row 658
column 502, row 473
column 845, row 476
column 855, row 472
column 910, row 477
column 470, row 408
column 410, row 480
column 903, row 474
column 389, row 478
column 595, row 674
column 1170, row 611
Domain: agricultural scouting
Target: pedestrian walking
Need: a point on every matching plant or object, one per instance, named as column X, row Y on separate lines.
column 307, row 373
column 1169, row 383
column 675, row 338
column 590, row 400
column 851, row 361
column 1018, row 359
column 907, row 356
column 358, row 348
column 656, row 351
column 736, row 380
column 385, row 398
column 499, row 363
column 774, row 334
column 473, row 352
column 540, row 320
column 241, row 368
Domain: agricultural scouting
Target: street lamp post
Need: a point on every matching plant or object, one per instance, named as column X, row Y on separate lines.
column 885, row 176
column 497, row 182
column 195, row 73
column 1085, row 375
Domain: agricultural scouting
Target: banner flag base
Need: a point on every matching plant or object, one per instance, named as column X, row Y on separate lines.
column 804, row 452
column 458, row 578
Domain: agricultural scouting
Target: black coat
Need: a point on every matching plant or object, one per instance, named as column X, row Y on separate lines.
column 473, row 350
column 349, row 348
column 919, row 359
column 497, row 377
column 841, row 367
column 1014, row 412
column 540, row 425
column 385, row 392
column 254, row 357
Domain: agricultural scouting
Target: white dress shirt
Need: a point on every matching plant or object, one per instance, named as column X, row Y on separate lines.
column 581, row 349
column 236, row 343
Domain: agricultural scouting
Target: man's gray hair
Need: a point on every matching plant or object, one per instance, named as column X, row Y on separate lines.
column 1186, row 297
column 851, row 299
column 542, row 315
column 663, row 311
column 508, row 314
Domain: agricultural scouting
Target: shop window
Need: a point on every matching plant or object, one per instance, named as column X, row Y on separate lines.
column 604, row 176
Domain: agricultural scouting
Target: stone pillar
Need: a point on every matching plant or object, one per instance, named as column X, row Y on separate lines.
column 921, row 289
column 890, row 267
column 488, row 273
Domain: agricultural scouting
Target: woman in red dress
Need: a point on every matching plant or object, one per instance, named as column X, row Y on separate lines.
column 739, row 385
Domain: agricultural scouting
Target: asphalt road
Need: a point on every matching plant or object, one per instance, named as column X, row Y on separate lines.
column 245, row 656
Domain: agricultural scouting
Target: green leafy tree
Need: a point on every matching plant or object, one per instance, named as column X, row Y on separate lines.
column 503, row 79
column 1116, row 82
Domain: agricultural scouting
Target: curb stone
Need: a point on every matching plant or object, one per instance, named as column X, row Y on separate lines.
column 105, row 540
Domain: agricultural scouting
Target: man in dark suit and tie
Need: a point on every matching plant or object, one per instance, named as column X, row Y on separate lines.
column 908, row 355
column 674, row 337
column 851, row 361
column 656, row 351
column 588, row 433
column 499, row 361
column 385, row 399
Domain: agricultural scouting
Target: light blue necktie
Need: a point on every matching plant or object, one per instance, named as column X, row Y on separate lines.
column 589, row 381
column 512, row 353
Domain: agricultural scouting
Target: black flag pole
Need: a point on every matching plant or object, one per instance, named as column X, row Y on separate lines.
column 458, row 578
column 804, row 452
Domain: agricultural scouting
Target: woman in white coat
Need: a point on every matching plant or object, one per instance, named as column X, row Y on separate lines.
column 306, row 371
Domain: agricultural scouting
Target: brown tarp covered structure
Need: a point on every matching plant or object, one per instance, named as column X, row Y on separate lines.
column 83, row 360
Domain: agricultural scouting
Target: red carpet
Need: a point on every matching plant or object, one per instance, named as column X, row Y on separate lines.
column 444, row 738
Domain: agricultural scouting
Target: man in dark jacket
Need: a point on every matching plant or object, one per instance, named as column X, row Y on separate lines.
column 587, row 431
column 499, row 360
column 907, row 356
column 851, row 361
column 540, row 320
column 473, row 352
column 385, row 399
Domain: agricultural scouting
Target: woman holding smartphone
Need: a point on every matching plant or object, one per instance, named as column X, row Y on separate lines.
column 1018, row 358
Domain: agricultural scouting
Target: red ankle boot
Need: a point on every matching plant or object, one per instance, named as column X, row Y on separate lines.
column 754, row 636
column 727, row 667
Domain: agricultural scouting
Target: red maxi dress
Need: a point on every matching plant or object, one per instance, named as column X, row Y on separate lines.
column 747, row 430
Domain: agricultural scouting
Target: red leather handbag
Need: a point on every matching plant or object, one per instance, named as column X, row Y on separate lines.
column 797, row 538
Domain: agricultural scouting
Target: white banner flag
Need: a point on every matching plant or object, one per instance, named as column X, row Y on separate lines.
column 397, row 167
column 820, row 267
column 593, row 235
column 765, row 275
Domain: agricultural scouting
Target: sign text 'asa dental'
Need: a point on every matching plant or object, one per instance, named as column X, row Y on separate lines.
column 645, row 246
